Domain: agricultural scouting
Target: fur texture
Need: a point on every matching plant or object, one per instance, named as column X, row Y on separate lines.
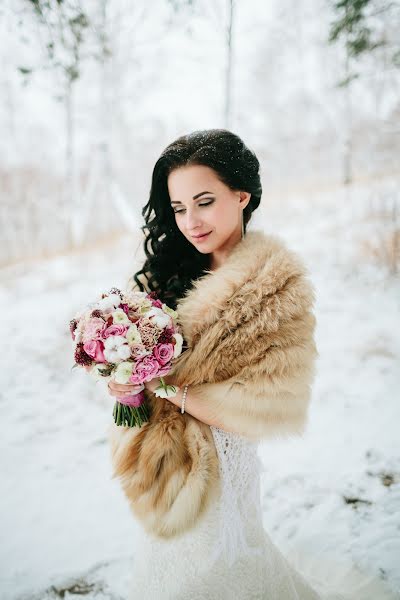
column 251, row 356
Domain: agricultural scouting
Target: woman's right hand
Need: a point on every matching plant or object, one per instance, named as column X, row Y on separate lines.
column 122, row 389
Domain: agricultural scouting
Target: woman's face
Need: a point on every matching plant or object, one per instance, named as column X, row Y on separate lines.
column 204, row 205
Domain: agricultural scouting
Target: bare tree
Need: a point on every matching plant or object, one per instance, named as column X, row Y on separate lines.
column 222, row 15
column 365, row 26
column 61, row 28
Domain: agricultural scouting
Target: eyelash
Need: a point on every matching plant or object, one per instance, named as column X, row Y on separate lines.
column 207, row 204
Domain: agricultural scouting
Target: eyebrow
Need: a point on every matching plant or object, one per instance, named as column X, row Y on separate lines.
column 194, row 197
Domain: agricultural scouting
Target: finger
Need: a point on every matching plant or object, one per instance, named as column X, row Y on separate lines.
column 118, row 394
column 123, row 387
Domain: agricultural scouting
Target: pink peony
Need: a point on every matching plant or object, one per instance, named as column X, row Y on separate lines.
column 94, row 348
column 164, row 370
column 116, row 329
column 163, row 353
column 93, row 329
column 146, row 369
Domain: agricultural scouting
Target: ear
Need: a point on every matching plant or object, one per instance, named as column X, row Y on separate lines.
column 244, row 199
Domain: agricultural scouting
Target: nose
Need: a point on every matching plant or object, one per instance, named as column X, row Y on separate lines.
column 192, row 221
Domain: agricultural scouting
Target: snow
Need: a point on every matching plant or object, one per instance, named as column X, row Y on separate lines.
column 65, row 524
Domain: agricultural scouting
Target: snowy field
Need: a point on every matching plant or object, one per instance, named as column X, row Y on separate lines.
column 65, row 526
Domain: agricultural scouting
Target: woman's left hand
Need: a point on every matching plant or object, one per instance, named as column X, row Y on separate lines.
column 152, row 384
column 155, row 383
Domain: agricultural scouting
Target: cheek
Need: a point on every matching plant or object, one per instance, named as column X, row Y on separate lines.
column 225, row 216
column 216, row 214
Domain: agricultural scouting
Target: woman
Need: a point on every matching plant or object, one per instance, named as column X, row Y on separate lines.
column 192, row 474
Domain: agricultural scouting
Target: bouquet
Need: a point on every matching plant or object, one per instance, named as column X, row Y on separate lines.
column 131, row 338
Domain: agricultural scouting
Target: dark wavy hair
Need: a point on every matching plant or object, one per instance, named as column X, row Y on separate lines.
column 172, row 263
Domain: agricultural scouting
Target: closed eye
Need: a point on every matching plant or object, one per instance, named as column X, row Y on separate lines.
column 203, row 204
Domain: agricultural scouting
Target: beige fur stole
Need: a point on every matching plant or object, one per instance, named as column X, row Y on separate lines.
column 249, row 326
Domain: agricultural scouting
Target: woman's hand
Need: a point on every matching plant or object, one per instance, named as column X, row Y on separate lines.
column 152, row 384
column 155, row 383
column 122, row 389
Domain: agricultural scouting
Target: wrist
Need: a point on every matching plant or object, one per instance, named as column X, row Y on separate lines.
column 152, row 384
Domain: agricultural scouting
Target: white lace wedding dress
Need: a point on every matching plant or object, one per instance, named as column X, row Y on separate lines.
column 228, row 555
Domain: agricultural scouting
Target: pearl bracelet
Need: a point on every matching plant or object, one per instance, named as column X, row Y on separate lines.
column 185, row 389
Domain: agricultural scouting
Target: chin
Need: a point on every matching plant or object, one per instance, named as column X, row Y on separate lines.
column 203, row 250
column 205, row 247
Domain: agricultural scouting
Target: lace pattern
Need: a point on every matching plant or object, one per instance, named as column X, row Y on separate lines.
column 240, row 515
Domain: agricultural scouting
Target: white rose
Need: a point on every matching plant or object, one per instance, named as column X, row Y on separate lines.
column 179, row 342
column 145, row 306
column 123, row 372
column 97, row 370
column 116, row 349
column 133, row 335
column 120, row 316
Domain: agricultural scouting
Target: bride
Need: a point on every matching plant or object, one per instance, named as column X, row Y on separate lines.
column 245, row 303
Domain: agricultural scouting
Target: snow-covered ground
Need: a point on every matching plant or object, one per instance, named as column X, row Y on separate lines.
column 65, row 526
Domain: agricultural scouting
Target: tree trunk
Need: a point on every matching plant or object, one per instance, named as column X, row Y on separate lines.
column 228, row 78
column 348, row 142
column 71, row 200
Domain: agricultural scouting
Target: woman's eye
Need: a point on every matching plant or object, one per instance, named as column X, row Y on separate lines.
column 204, row 204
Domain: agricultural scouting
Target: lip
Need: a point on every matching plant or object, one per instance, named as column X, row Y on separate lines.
column 201, row 237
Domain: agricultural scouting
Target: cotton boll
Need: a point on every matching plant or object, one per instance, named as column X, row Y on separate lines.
column 116, row 349
column 120, row 316
column 159, row 317
column 109, row 302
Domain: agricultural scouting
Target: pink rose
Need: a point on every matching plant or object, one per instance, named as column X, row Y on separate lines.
column 157, row 303
column 146, row 369
column 163, row 353
column 116, row 329
column 95, row 349
column 93, row 329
